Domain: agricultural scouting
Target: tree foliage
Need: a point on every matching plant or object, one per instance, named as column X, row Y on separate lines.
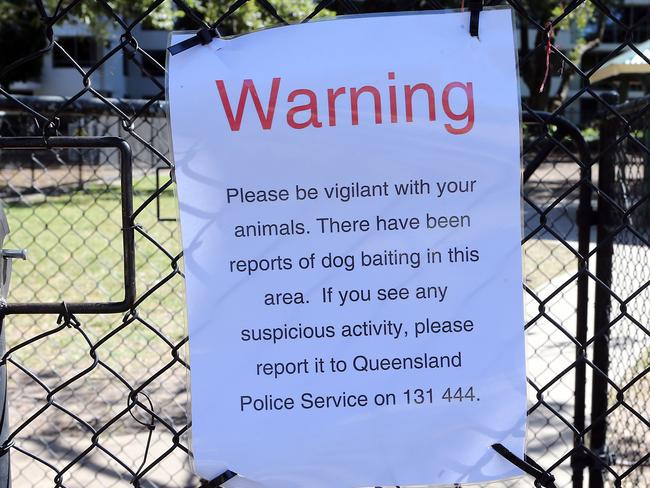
column 21, row 34
column 21, row 26
column 585, row 23
column 169, row 16
column 251, row 16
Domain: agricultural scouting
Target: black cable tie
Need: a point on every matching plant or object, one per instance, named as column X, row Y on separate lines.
column 67, row 318
column 528, row 466
column 203, row 37
column 475, row 7
column 219, row 480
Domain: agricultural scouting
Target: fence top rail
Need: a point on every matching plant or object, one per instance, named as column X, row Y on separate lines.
column 83, row 106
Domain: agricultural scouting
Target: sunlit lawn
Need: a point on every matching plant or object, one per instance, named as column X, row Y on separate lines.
column 74, row 244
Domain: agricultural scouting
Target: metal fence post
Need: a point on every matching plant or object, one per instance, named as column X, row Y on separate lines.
column 5, row 465
column 5, row 275
column 584, row 219
column 644, row 217
column 607, row 223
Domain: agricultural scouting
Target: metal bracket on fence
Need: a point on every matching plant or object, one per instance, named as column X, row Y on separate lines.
column 128, row 240
column 5, row 258
column 7, row 255
column 603, row 458
column 598, row 460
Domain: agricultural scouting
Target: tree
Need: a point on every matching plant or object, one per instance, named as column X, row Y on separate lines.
column 586, row 23
column 588, row 27
column 251, row 15
column 21, row 34
column 22, row 28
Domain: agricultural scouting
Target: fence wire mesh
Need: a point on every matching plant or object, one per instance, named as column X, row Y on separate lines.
column 101, row 399
column 629, row 342
column 74, row 391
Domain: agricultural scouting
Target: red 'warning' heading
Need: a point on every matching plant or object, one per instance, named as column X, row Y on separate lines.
column 358, row 103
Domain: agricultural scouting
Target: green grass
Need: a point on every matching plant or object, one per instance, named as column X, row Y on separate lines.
column 74, row 244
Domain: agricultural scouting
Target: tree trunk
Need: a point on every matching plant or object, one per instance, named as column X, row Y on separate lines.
column 533, row 69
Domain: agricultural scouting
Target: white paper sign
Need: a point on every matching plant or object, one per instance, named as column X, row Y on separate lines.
column 350, row 212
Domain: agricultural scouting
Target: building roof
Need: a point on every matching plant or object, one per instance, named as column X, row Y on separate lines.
column 628, row 62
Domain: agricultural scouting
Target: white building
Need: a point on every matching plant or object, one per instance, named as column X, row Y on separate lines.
column 118, row 76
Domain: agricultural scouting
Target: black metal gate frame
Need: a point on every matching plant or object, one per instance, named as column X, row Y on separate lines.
column 128, row 240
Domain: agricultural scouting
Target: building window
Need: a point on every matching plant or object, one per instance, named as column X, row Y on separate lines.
column 637, row 16
column 82, row 49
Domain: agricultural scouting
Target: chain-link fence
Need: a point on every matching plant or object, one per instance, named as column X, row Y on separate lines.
column 629, row 342
column 71, row 390
column 101, row 399
column 555, row 237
